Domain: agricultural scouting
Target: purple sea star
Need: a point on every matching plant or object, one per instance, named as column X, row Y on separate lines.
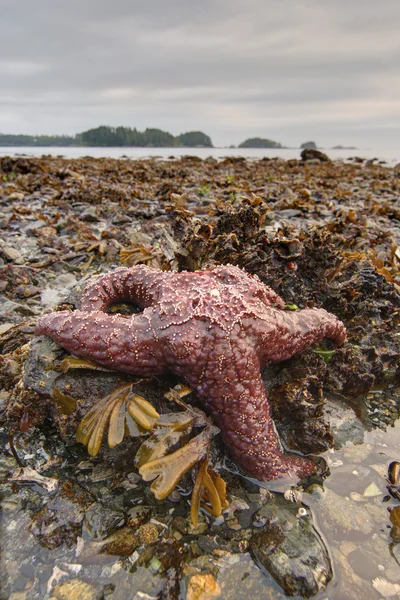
column 215, row 328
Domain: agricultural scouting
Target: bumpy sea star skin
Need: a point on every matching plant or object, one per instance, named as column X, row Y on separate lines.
column 216, row 329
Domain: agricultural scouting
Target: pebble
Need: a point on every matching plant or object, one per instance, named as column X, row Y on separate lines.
column 33, row 226
column 11, row 254
column 76, row 589
column 101, row 521
column 386, row 588
column 5, row 327
column 372, row 490
column 89, row 215
column 122, row 543
column 18, row 196
column 148, row 533
column 138, row 515
column 203, row 587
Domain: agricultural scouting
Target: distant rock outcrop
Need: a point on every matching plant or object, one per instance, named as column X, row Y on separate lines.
column 260, row 143
column 309, row 145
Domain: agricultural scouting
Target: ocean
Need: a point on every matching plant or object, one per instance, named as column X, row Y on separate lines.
column 391, row 156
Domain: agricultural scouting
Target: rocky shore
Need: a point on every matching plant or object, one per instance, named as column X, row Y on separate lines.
column 319, row 233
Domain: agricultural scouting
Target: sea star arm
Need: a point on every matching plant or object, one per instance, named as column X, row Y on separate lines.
column 117, row 342
column 286, row 333
column 231, row 389
column 139, row 285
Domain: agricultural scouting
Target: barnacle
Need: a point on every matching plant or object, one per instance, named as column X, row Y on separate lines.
column 120, row 408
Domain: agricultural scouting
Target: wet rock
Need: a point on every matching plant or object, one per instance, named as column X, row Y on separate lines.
column 240, row 578
column 344, row 425
column 7, row 465
column 5, row 327
column 58, row 289
column 122, row 543
column 39, row 373
column 288, row 213
column 138, row 515
column 60, row 520
column 76, row 589
column 89, row 215
column 148, row 533
column 101, row 521
column 386, row 588
column 14, row 312
column 163, row 556
column 314, row 154
column 9, row 253
column 203, row 587
column 290, row 548
column 297, row 406
column 33, row 226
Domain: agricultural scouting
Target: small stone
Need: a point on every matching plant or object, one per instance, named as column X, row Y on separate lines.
column 101, row 521
column 233, row 524
column 10, row 253
column 18, row 196
column 138, row 515
column 64, row 280
column 384, row 587
column 26, row 291
column 380, row 469
column 372, row 490
column 290, row 549
column 89, row 215
column 50, row 297
column 46, row 231
column 33, row 226
column 76, row 589
column 203, row 587
column 122, row 543
column 148, row 533
column 18, row 596
column 5, row 327
column 356, row 497
column 180, row 524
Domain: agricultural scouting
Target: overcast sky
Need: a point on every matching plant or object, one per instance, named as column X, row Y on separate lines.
column 289, row 70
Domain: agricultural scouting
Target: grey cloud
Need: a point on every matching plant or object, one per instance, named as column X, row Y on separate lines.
column 293, row 69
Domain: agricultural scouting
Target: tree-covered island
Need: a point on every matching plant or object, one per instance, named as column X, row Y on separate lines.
column 260, row 143
column 112, row 136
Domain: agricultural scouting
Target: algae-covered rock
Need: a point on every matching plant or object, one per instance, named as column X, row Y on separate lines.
column 290, row 548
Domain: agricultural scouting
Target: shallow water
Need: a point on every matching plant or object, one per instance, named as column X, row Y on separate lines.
column 353, row 517
column 351, row 513
column 391, row 156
